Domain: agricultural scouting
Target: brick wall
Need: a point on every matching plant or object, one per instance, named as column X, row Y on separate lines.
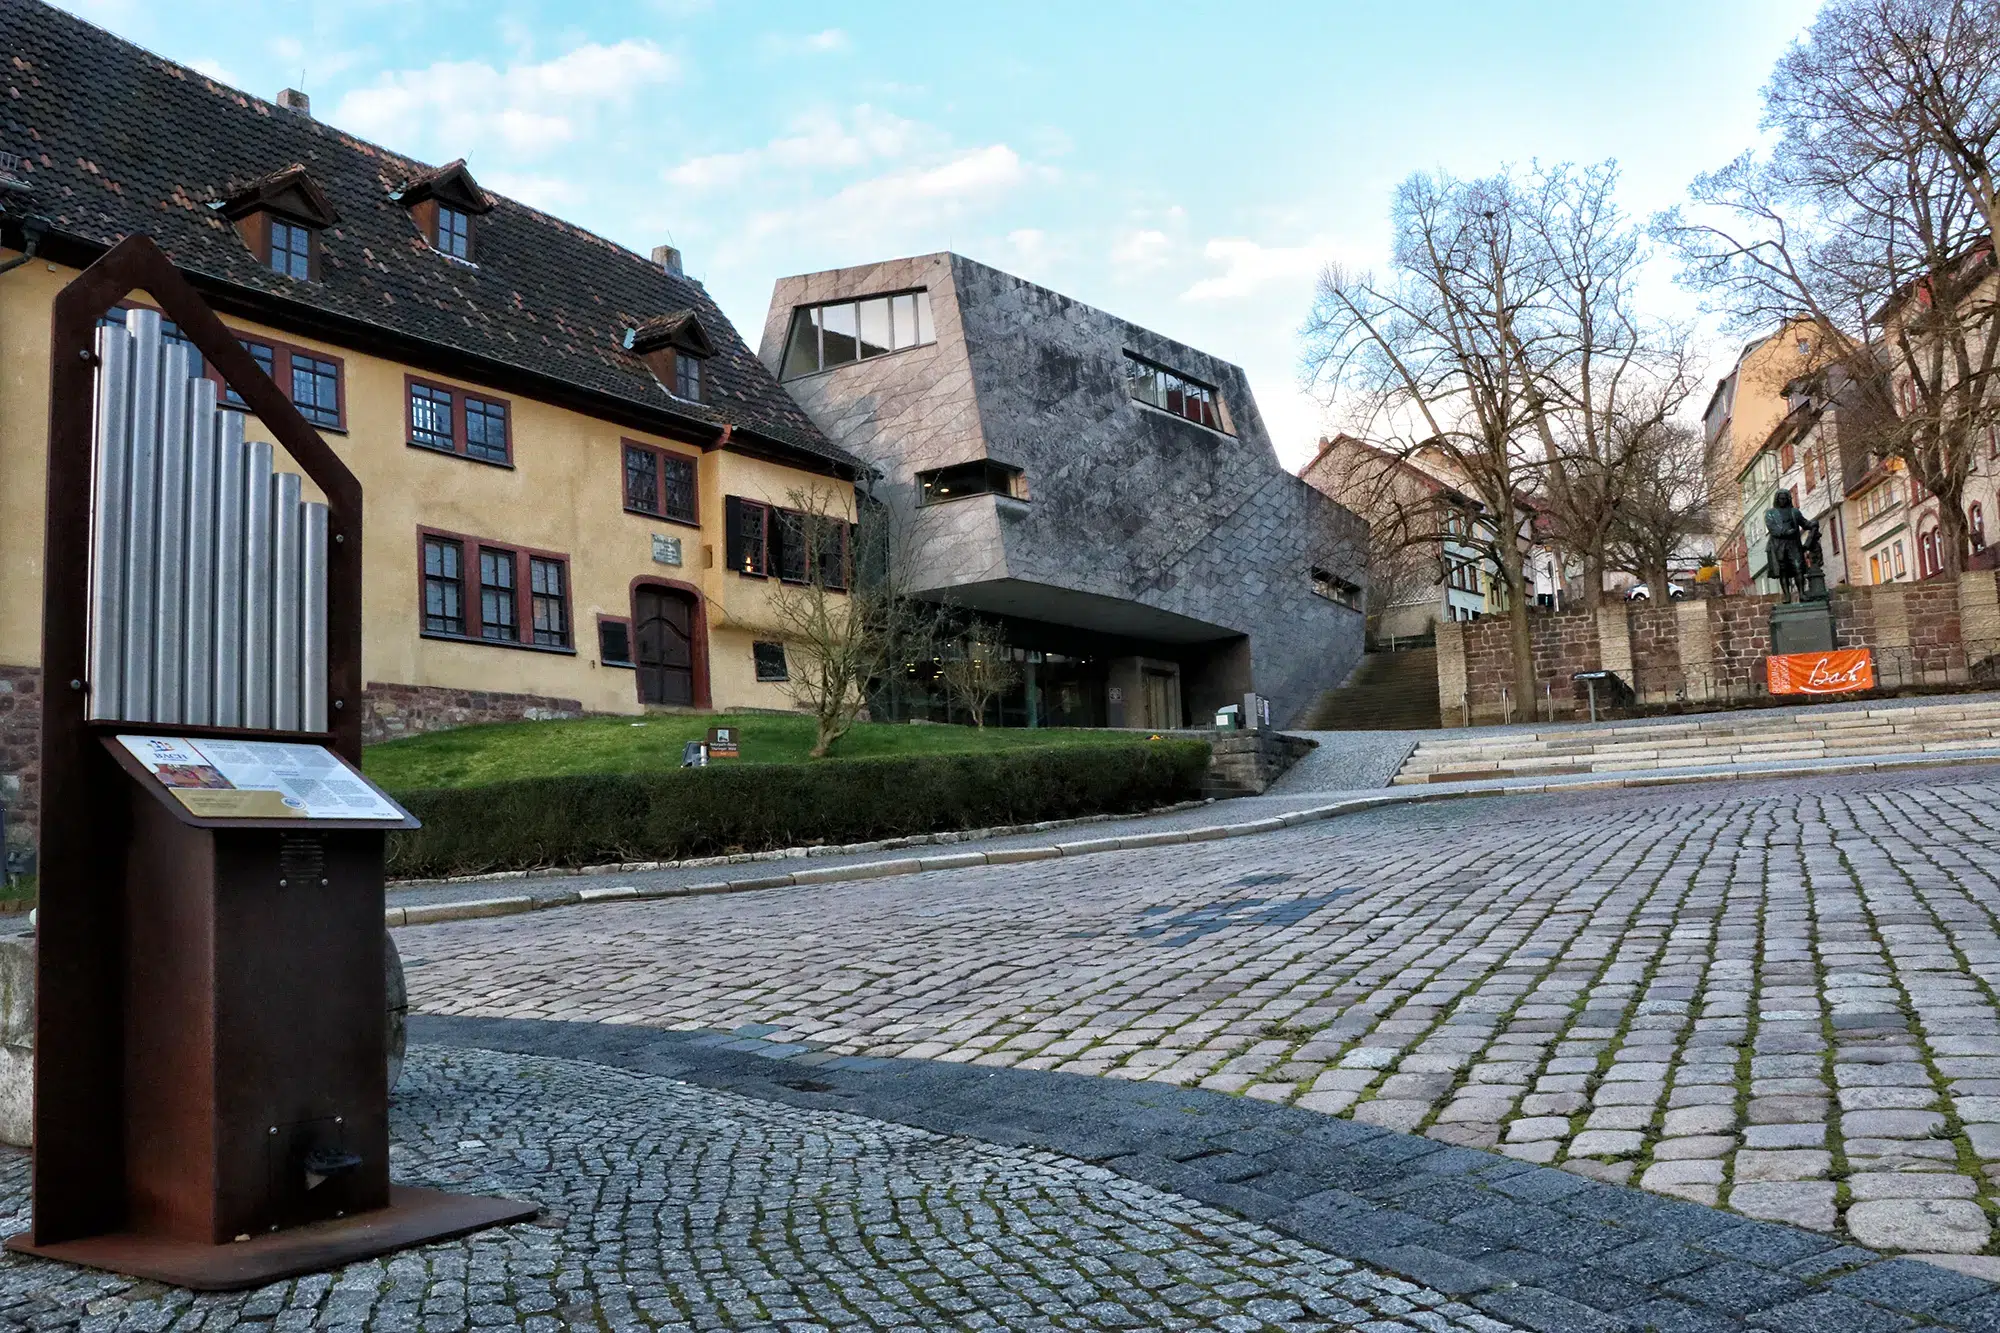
column 408, row 710
column 20, row 749
column 1939, row 633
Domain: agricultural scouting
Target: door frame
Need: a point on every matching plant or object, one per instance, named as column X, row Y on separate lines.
column 697, row 632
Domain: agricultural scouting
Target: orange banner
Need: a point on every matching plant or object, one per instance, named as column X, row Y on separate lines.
column 1841, row 672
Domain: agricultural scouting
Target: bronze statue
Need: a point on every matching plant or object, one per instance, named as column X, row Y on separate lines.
column 1794, row 550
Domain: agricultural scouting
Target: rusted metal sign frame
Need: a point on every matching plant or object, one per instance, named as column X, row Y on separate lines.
column 81, row 1118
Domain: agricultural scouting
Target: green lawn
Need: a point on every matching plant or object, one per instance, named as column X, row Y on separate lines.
column 471, row 756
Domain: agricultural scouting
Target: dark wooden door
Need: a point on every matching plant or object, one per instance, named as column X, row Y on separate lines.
column 663, row 645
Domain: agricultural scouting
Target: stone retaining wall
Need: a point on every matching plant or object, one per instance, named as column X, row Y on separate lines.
column 20, row 765
column 1932, row 634
column 409, row 710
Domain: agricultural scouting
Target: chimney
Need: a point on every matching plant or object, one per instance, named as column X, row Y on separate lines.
column 291, row 99
column 667, row 257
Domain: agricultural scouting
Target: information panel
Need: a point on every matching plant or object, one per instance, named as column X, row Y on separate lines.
column 218, row 779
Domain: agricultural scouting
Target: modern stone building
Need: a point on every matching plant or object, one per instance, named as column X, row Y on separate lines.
column 1109, row 496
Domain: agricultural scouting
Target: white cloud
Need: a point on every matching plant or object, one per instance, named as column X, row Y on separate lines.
column 872, row 214
column 827, row 41
column 526, row 109
column 816, row 141
column 1248, row 267
column 551, row 194
column 1030, row 243
column 216, row 70
column 1140, row 251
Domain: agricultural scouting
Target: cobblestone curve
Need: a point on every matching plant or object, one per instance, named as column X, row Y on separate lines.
column 674, row 1207
column 1782, row 997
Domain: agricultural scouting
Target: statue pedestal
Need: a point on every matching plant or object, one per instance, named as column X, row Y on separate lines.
column 1802, row 627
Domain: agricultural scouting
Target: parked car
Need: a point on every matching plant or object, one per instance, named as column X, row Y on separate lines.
column 1639, row 592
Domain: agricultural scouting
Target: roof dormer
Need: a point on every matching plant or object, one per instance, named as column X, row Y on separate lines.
column 673, row 346
column 443, row 203
column 279, row 217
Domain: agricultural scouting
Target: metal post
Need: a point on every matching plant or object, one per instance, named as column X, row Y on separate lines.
column 109, row 528
column 198, row 648
column 287, row 548
column 142, row 510
column 1590, row 686
column 312, row 617
column 257, row 561
column 169, row 563
column 227, row 650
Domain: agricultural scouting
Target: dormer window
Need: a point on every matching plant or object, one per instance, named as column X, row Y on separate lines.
column 673, row 347
column 444, row 203
column 454, row 232
column 291, row 249
column 280, row 217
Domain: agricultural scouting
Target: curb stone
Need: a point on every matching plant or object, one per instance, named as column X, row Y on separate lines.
column 1534, row 1245
column 435, row 913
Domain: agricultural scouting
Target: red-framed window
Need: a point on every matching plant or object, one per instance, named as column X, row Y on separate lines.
column 451, row 420
column 614, row 641
column 1930, row 553
column 487, row 592
column 1975, row 522
column 766, row 541
column 315, row 381
column 661, row 483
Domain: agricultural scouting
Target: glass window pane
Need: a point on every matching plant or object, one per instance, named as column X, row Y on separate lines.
column 875, row 327
column 838, row 347
column 642, row 480
column 904, row 314
column 486, row 430
column 680, row 481
column 802, row 353
column 924, row 333
column 430, row 417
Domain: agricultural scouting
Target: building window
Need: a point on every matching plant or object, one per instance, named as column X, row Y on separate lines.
column 1975, row 522
column 835, row 539
column 431, row 417
column 1901, row 568
column 316, row 389
column 499, row 607
column 454, row 422
column 1833, row 531
column 660, row 482
column 984, row 477
column 744, row 523
column 515, row 588
column 548, row 601
column 1786, row 454
column 687, row 377
column 843, row 332
column 1336, row 589
column 770, row 658
column 1874, row 569
column 454, row 232
column 444, row 586
column 291, row 249
column 789, row 557
column 1171, row 391
column 614, row 642
column 485, row 430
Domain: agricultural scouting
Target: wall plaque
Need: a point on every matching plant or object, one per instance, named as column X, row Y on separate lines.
column 666, row 550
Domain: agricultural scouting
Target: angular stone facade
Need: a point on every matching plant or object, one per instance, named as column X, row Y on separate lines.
column 1164, row 538
column 20, row 766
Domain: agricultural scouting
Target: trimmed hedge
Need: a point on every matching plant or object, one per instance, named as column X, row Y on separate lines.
column 666, row 816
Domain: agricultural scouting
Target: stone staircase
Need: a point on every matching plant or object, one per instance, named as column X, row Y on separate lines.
column 1388, row 692
column 1763, row 736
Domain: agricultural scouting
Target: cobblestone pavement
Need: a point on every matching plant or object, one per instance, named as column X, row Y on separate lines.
column 674, row 1207
column 1775, row 996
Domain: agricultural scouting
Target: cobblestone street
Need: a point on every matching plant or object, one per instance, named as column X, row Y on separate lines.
column 674, row 1207
column 1777, row 997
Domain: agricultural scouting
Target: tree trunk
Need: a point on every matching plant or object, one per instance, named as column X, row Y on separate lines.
column 1593, row 580
column 1954, row 536
column 1657, row 582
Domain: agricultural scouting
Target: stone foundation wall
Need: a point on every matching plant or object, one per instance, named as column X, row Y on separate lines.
column 1935, row 634
column 20, row 766
column 390, row 711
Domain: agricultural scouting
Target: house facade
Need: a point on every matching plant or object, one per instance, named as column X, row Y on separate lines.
column 574, row 469
column 1105, row 495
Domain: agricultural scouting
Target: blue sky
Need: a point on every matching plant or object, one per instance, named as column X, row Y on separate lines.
column 1186, row 166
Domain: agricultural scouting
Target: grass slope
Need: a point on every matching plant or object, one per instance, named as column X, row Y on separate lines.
column 473, row 756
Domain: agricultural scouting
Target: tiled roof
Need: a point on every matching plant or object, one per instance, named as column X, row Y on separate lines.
column 118, row 140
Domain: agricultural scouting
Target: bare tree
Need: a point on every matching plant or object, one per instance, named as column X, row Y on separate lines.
column 1444, row 354
column 845, row 615
column 1871, row 222
column 978, row 668
column 1665, row 502
column 1616, row 375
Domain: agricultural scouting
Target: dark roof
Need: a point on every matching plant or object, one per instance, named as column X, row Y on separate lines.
column 118, row 140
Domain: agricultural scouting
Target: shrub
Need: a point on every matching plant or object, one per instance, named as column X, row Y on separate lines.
column 582, row 820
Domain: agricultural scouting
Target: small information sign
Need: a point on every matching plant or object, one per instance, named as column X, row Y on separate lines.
column 722, row 742
column 218, row 779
